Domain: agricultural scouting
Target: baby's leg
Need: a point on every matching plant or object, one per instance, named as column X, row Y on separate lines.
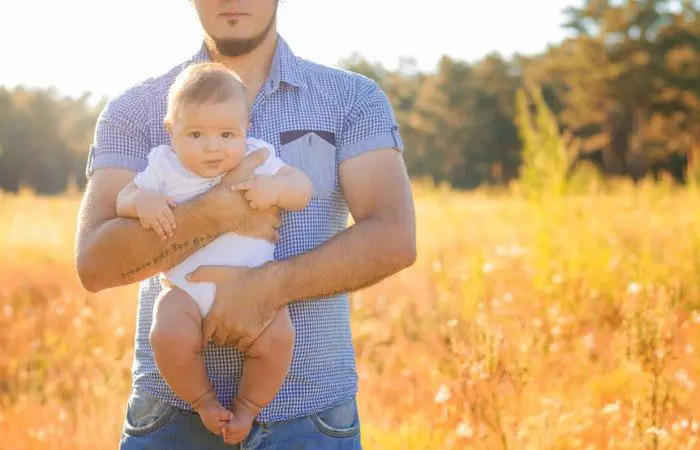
column 264, row 369
column 176, row 339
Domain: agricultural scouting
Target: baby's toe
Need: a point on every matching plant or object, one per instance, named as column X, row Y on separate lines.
column 225, row 415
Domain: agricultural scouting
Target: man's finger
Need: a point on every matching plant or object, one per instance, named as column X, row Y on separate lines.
column 242, row 186
column 273, row 218
column 220, row 337
column 246, row 168
column 232, row 341
column 243, row 344
column 211, row 274
column 251, row 161
column 255, row 158
column 270, row 234
column 208, row 329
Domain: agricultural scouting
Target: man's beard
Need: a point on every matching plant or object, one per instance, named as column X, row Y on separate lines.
column 239, row 47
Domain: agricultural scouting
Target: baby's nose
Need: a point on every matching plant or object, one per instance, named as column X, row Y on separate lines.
column 212, row 144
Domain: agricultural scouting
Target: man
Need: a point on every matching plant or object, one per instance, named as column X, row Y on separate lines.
column 339, row 128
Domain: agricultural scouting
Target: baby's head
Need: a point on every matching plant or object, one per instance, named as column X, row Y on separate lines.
column 207, row 119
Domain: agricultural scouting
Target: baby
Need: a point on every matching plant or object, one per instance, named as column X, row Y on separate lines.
column 207, row 119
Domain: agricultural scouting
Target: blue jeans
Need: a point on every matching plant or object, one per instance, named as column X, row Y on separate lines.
column 154, row 425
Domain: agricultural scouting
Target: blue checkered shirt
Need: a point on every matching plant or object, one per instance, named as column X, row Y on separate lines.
column 316, row 117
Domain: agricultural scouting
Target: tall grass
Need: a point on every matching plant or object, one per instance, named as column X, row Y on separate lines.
column 509, row 332
column 558, row 315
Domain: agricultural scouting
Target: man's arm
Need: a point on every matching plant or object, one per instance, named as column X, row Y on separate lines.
column 375, row 183
column 113, row 251
column 381, row 242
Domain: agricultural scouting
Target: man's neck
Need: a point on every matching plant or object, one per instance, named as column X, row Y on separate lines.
column 254, row 67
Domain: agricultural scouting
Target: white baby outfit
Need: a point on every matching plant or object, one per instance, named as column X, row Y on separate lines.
column 165, row 174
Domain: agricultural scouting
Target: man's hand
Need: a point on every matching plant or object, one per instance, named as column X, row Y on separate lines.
column 246, row 168
column 244, row 304
column 262, row 191
column 255, row 223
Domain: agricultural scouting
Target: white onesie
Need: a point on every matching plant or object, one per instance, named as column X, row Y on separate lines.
column 165, row 174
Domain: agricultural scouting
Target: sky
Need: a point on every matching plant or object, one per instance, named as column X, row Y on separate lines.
column 105, row 46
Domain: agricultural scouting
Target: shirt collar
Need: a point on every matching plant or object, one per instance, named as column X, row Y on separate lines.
column 285, row 65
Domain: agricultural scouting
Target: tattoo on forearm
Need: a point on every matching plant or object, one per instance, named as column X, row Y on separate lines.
column 173, row 249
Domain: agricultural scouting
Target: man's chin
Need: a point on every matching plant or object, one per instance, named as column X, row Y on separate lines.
column 236, row 46
column 239, row 46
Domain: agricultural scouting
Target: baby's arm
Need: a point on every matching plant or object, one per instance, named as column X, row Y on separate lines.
column 294, row 188
column 289, row 188
column 151, row 207
column 125, row 201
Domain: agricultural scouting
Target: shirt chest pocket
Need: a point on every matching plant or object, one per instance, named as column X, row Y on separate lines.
column 314, row 153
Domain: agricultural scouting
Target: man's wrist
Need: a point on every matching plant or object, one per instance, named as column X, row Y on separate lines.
column 221, row 201
column 275, row 276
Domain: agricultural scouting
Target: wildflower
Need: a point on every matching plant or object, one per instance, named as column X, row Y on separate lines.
column 660, row 432
column 443, row 394
column 465, row 430
column 611, row 408
column 633, row 288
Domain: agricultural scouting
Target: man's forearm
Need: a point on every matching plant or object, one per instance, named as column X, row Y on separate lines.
column 122, row 252
column 362, row 255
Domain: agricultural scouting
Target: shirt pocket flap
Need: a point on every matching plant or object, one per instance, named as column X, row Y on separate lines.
column 314, row 153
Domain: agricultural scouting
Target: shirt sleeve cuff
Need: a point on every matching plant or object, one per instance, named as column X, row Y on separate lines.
column 386, row 140
column 111, row 160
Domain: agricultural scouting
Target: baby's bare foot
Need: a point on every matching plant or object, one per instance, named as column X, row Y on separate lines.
column 213, row 415
column 238, row 428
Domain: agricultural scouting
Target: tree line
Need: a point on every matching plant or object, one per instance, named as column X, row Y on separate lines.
column 44, row 139
column 625, row 86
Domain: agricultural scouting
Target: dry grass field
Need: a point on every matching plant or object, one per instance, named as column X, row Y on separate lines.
column 574, row 325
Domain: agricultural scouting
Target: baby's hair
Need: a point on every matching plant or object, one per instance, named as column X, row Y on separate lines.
column 206, row 82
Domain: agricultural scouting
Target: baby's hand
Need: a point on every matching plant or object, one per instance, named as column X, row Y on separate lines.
column 154, row 212
column 263, row 191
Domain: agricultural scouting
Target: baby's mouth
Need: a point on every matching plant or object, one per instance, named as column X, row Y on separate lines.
column 212, row 163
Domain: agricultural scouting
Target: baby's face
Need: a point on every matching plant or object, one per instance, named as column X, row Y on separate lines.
column 209, row 139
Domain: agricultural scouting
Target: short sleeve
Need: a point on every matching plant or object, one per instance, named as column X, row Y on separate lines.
column 370, row 123
column 120, row 139
column 152, row 177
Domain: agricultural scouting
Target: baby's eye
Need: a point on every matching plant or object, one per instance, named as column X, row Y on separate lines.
column 196, row 134
column 226, row 135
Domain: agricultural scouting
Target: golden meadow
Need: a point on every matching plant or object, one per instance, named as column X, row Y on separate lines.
column 533, row 319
